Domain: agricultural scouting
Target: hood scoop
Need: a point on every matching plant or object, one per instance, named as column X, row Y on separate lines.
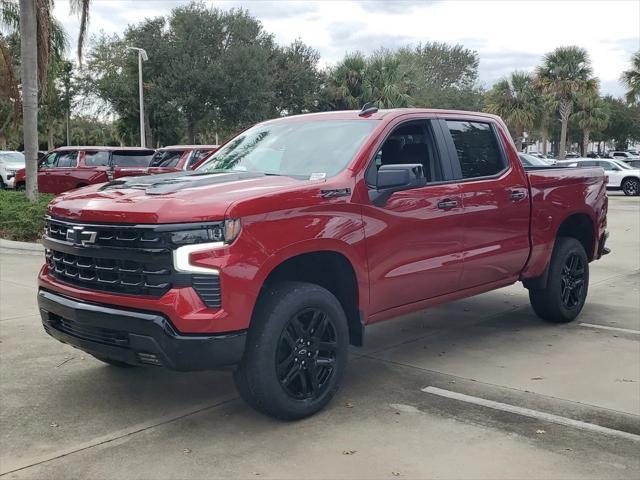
column 173, row 182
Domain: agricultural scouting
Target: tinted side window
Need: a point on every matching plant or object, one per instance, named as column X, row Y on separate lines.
column 48, row 161
column 606, row 165
column 409, row 143
column 67, row 159
column 477, row 148
column 168, row 158
column 96, row 159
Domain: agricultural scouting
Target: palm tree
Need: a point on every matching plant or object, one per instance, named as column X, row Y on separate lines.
column 386, row 83
column 565, row 73
column 345, row 82
column 591, row 116
column 514, row 100
column 36, row 35
column 631, row 78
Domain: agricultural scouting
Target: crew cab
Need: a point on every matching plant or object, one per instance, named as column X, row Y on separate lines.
column 620, row 175
column 299, row 233
column 179, row 157
column 67, row 168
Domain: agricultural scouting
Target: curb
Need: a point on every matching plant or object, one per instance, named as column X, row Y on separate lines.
column 21, row 247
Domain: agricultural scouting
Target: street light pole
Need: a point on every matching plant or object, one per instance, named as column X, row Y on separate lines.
column 142, row 55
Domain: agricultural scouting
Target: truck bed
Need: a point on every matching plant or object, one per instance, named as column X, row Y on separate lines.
column 556, row 193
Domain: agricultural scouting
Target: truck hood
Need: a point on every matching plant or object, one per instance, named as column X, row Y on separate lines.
column 167, row 198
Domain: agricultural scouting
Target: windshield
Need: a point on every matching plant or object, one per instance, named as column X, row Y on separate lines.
column 12, row 157
column 131, row 159
column 622, row 165
column 311, row 149
column 531, row 161
column 166, row 158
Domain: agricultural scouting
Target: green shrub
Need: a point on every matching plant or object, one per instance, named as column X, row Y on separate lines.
column 19, row 218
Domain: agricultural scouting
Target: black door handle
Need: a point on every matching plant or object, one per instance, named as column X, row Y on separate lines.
column 447, row 204
column 518, row 195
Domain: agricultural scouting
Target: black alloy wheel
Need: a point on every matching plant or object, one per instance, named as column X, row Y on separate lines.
column 572, row 281
column 306, row 354
column 631, row 187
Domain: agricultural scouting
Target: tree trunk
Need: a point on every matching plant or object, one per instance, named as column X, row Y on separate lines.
column 50, row 144
column 585, row 141
column 565, row 111
column 29, row 74
column 544, row 142
column 519, row 134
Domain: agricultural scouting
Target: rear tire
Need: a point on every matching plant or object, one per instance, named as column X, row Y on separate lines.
column 296, row 351
column 631, row 187
column 567, row 285
column 20, row 187
column 114, row 363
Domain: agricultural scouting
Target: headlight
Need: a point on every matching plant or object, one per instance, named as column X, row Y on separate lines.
column 202, row 239
column 225, row 232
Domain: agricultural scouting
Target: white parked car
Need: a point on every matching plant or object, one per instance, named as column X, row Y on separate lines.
column 10, row 163
column 623, row 156
column 621, row 176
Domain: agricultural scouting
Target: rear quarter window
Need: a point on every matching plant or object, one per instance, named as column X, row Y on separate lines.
column 477, row 148
column 131, row 159
column 96, row 159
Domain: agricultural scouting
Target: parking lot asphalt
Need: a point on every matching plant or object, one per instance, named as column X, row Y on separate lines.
column 479, row 388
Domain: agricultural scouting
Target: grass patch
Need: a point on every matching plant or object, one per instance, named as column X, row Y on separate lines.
column 19, row 218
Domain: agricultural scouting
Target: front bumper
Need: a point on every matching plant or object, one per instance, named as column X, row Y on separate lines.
column 135, row 337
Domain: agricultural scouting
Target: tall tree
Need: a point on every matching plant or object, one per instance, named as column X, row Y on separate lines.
column 514, row 100
column 297, row 78
column 631, row 78
column 386, row 83
column 591, row 116
column 566, row 73
column 624, row 122
column 345, row 83
column 36, row 40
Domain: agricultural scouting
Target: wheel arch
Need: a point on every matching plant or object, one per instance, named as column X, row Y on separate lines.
column 331, row 269
column 580, row 226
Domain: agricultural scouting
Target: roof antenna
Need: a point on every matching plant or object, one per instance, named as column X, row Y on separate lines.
column 367, row 109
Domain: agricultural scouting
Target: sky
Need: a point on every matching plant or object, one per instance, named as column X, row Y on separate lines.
column 507, row 35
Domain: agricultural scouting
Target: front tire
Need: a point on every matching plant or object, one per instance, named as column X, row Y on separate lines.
column 296, row 351
column 563, row 298
column 631, row 187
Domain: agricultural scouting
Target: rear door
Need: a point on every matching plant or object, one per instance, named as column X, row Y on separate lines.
column 495, row 197
column 56, row 179
column 414, row 240
column 613, row 172
column 45, row 168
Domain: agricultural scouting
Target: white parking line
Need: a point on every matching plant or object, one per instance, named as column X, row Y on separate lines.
column 527, row 412
column 606, row 327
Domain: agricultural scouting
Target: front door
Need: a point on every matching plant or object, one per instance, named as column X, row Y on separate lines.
column 495, row 198
column 414, row 240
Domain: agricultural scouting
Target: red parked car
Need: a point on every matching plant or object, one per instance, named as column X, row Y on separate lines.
column 279, row 250
column 179, row 157
column 68, row 168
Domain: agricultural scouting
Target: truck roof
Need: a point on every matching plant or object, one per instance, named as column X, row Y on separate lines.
column 101, row 148
column 189, row 147
column 384, row 114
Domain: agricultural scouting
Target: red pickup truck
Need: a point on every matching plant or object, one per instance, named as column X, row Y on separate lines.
column 67, row 168
column 279, row 250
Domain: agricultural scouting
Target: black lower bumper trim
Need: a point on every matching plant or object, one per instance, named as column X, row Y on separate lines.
column 135, row 337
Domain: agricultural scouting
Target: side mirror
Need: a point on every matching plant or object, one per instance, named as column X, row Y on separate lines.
column 395, row 178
